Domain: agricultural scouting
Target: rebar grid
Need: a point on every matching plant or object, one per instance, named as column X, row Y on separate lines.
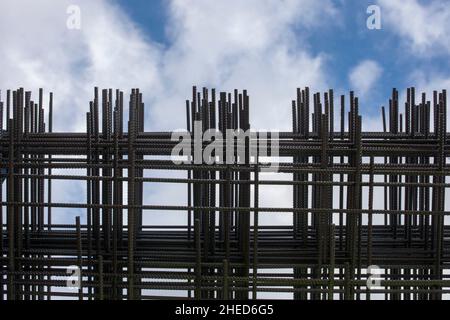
column 359, row 199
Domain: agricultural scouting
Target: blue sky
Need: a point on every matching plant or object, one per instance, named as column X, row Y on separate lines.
column 344, row 43
column 269, row 47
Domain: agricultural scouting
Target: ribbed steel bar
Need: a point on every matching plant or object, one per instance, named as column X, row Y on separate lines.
column 356, row 201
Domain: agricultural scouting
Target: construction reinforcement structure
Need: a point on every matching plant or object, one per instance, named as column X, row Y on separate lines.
column 366, row 218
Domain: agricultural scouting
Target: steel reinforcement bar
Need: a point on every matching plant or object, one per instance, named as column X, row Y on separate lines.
column 349, row 214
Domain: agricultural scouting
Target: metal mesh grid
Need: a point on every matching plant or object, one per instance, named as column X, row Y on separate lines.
column 356, row 199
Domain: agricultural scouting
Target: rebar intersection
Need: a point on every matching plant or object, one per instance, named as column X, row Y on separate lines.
column 358, row 199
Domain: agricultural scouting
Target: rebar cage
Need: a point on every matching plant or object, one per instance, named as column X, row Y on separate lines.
column 350, row 214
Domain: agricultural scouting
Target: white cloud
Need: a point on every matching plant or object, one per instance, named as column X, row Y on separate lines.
column 240, row 44
column 424, row 31
column 224, row 44
column 424, row 28
column 364, row 75
column 428, row 82
column 108, row 51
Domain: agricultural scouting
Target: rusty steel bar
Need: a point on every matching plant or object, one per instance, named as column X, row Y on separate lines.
column 357, row 200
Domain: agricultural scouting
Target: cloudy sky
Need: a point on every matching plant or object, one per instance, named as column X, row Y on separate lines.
column 269, row 47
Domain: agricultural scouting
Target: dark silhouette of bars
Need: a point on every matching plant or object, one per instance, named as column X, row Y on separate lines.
column 359, row 199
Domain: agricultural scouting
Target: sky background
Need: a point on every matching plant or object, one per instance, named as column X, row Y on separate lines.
column 269, row 47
